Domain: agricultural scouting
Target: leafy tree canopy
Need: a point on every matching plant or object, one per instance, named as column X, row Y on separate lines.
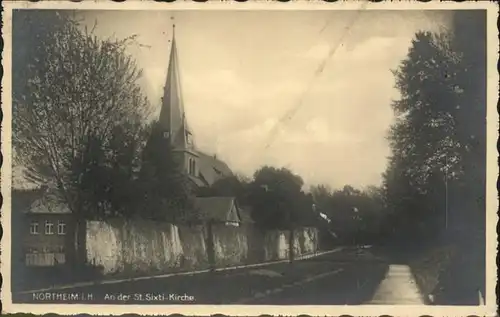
column 77, row 110
column 436, row 173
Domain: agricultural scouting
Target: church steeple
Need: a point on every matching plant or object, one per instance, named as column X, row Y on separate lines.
column 172, row 116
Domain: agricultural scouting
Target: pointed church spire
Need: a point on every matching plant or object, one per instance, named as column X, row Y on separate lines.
column 172, row 115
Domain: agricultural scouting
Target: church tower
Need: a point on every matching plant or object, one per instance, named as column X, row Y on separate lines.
column 173, row 118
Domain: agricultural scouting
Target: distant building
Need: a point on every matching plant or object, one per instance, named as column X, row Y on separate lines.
column 203, row 169
column 45, row 226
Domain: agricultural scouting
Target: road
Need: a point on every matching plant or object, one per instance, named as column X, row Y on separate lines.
column 348, row 277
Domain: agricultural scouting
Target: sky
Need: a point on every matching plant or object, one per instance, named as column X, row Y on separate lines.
column 306, row 90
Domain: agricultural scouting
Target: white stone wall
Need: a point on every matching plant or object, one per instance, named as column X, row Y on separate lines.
column 142, row 246
column 104, row 246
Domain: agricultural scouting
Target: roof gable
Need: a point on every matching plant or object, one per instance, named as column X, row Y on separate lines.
column 233, row 214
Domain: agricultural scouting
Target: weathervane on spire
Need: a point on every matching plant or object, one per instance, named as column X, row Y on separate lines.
column 172, row 18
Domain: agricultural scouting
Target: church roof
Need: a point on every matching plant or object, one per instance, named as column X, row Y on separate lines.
column 212, row 169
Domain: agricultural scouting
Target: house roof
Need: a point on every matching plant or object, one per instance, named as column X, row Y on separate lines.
column 38, row 200
column 50, row 203
column 215, row 208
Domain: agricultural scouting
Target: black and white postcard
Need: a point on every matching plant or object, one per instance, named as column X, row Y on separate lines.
column 249, row 158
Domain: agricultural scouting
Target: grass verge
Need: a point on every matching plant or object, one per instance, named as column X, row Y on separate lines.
column 430, row 266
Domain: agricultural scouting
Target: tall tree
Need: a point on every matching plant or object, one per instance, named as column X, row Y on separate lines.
column 71, row 91
column 438, row 141
column 425, row 151
column 322, row 197
column 278, row 200
column 166, row 190
column 108, row 175
column 438, row 165
column 470, row 110
column 467, row 273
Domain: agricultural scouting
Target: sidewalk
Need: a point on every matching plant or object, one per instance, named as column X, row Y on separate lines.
column 398, row 287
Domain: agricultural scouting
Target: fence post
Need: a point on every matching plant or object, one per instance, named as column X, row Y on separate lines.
column 210, row 246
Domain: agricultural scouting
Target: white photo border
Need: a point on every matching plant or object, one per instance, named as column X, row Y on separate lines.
column 254, row 310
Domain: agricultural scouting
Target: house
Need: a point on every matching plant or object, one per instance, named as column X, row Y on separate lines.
column 203, row 169
column 45, row 226
column 223, row 210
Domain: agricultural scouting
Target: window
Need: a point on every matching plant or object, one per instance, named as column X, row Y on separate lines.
column 34, row 227
column 192, row 167
column 49, row 227
column 61, row 228
column 189, row 138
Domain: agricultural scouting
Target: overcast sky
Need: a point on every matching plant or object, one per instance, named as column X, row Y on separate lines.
column 243, row 71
